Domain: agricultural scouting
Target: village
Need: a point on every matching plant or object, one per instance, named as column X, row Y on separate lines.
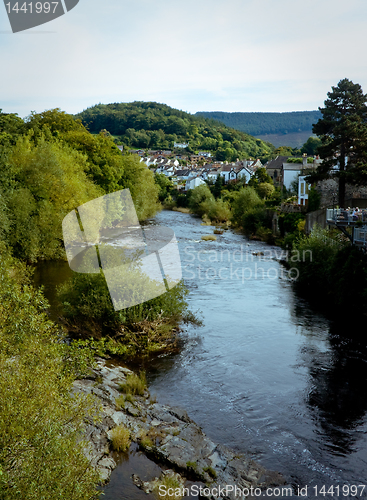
column 188, row 171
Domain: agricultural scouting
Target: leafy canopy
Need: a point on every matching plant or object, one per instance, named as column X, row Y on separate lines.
column 343, row 133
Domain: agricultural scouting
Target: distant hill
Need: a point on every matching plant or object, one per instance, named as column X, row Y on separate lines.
column 158, row 126
column 265, row 123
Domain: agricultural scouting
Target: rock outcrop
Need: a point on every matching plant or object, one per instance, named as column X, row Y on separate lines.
column 167, row 435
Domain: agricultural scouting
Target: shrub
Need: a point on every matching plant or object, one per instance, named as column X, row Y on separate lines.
column 120, row 438
column 246, row 199
column 216, row 210
column 198, row 196
column 169, row 482
column 134, row 384
column 86, row 299
column 212, row 473
column 120, row 402
column 253, row 219
column 41, row 423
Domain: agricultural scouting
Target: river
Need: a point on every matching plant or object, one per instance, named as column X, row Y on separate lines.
column 266, row 374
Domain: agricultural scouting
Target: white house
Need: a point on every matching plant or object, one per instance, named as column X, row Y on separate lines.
column 243, row 173
column 193, row 183
column 303, row 190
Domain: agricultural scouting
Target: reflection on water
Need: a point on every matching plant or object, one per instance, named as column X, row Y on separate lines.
column 267, row 374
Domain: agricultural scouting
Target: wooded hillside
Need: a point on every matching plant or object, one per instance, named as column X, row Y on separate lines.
column 158, row 126
column 266, row 123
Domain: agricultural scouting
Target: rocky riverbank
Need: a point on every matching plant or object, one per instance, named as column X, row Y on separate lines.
column 167, row 435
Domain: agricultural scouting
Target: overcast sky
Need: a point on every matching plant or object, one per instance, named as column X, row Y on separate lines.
column 197, row 55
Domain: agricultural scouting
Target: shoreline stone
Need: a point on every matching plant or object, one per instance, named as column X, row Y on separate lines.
column 174, row 439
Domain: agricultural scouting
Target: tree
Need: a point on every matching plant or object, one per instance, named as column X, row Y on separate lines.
column 311, row 145
column 140, row 180
column 218, row 186
column 343, row 133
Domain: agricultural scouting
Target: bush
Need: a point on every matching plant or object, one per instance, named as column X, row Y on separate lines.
column 41, row 423
column 86, row 298
column 135, row 384
column 120, row 438
column 253, row 219
column 197, row 197
column 246, row 199
column 216, row 210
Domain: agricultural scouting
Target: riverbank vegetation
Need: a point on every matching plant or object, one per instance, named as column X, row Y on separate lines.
column 49, row 165
column 247, row 207
column 333, row 272
column 41, row 421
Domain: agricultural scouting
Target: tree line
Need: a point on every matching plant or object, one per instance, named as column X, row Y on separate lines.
column 260, row 123
column 49, row 165
column 158, row 126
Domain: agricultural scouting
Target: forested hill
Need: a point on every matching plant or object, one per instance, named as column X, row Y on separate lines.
column 265, row 123
column 158, row 126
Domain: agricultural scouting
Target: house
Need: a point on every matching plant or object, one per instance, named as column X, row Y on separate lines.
column 149, row 161
column 193, row 183
column 182, row 175
column 227, row 173
column 243, row 173
column 303, row 191
column 274, row 168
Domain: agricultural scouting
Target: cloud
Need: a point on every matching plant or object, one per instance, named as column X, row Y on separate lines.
column 239, row 55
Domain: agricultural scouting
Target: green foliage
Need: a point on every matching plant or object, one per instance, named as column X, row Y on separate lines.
column 120, row 438
column 218, row 186
column 166, row 186
column 311, row 146
column 314, row 200
column 154, row 125
column 135, row 384
column 143, row 188
column 41, row 422
column 343, row 133
column 216, row 210
column 11, row 126
column 299, row 160
column 260, row 176
column 288, row 222
column 41, row 184
column 245, row 200
column 85, row 298
column 53, row 120
column 105, row 164
column 265, row 189
column 333, row 271
column 198, row 196
column 253, row 219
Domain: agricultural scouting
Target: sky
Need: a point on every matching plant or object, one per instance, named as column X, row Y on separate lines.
column 197, row 55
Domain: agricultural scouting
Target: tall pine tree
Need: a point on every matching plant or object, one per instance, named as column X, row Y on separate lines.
column 343, row 133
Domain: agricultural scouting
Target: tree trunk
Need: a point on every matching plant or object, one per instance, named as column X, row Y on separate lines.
column 342, row 191
column 341, row 176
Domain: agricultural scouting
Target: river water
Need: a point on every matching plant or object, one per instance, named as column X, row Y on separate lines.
column 266, row 374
